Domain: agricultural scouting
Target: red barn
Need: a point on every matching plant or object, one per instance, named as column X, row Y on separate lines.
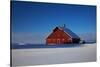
column 62, row 35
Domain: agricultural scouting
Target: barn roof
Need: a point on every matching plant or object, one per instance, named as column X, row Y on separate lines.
column 69, row 32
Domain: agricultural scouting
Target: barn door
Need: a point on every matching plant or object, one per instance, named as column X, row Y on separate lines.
column 58, row 41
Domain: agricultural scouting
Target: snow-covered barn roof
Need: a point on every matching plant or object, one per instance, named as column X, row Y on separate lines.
column 69, row 32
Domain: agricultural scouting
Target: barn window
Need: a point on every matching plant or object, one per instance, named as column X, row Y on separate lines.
column 63, row 39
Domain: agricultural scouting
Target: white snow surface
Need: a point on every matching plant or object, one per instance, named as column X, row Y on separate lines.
column 36, row 56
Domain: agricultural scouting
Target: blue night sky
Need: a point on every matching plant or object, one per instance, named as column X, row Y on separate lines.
column 42, row 18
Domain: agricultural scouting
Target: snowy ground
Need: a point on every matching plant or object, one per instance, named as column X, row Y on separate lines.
column 27, row 57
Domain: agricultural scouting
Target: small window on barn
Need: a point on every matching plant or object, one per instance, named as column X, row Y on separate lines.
column 63, row 39
column 58, row 39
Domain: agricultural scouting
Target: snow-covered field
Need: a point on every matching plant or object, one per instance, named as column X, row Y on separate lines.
column 27, row 57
